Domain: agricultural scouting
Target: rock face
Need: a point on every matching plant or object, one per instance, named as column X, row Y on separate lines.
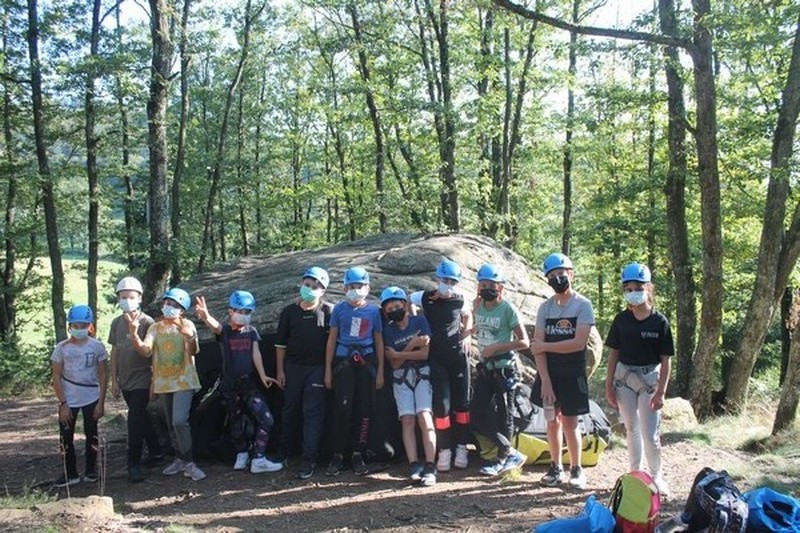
column 401, row 259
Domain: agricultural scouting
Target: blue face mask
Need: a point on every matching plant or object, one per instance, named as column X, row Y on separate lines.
column 79, row 334
column 170, row 312
column 635, row 297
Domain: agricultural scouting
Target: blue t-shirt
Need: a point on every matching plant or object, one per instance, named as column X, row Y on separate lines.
column 356, row 328
column 397, row 339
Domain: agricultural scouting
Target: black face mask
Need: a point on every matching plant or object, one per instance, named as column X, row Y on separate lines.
column 396, row 315
column 560, row 283
column 489, row 295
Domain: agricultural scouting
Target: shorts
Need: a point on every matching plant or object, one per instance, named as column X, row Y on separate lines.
column 413, row 392
column 572, row 394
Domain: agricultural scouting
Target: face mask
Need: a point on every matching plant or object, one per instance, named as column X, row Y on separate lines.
column 170, row 312
column 355, row 295
column 241, row 320
column 128, row 304
column 489, row 295
column 635, row 297
column 307, row 294
column 445, row 289
column 79, row 334
column 396, row 315
column 560, row 284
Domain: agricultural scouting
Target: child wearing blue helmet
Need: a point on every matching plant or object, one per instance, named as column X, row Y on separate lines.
column 79, row 382
column 353, row 369
column 172, row 343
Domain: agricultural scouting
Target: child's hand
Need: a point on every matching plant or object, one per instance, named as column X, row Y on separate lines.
column 201, row 309
column 488, row 351
column 99, row 411
column 281, row 377
column 133, row 323
column 379, row 381
column 115, row 388
column 328, row 379
column 64, row 414
column 268, row 382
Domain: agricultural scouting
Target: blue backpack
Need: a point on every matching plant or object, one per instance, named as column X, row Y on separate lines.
column 595, row 518
column 772, row 511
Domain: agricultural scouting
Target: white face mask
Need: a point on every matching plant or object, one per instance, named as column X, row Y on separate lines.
column 355, row 295
column 240, row 319
column 170, row 312
column 128, row 304
column 635, row 297
column 447, row 290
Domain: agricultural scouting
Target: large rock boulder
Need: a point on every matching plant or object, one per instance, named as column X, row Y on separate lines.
column 406, row 260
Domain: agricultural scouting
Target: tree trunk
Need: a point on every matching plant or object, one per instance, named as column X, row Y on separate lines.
column 158, row 198
column 566, row 220
column 702, row 379
column 675, row 192
column 122, row 107
column 45, row 179
column 91, row 158
column 180, row 151
column 240, row 139
column 8, row 318
column 778, row 250
column 786, row 337
column 790, row 391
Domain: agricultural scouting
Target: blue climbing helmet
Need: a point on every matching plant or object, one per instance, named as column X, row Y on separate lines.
column 356, row 275
column 491, row 272
column 393, row 293
column 242, row 300
column 448, row 269
column 635, row 272
column 318, row 274
column 80, row 314
column 180, row 296
column 555, row 261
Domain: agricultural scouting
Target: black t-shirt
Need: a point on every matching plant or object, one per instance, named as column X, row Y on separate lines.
column 304, row 333
column 444, row 317
column 640, row 342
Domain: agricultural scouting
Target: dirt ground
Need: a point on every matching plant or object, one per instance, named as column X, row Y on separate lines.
column 228, row 501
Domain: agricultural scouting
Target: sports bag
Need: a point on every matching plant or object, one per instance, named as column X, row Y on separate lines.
column 715, row 504
column 635, row 503
column 595, row 518
column 771, row 511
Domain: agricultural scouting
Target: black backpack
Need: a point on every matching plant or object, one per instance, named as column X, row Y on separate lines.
column 715, row 504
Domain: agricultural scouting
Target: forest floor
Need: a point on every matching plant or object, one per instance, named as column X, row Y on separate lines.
column 228, row 501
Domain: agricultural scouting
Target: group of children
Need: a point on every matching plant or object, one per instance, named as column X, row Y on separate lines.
column 340, row 351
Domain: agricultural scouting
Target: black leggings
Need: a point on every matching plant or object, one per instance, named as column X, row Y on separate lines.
column 67, row 434
column 502, row 386
column 140, row 429
column 353, row 389
column 450, row 379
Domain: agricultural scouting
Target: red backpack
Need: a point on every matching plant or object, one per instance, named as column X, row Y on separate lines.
column 635, row 503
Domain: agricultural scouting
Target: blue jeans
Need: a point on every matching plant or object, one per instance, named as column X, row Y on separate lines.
column 305, row 402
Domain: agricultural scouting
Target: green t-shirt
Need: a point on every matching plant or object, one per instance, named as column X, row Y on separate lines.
column 495, row 326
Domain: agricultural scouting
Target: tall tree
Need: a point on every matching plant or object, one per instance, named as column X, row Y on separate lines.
column 566, row 225
column 92, row 172
column 786, row 412
column 8, row 308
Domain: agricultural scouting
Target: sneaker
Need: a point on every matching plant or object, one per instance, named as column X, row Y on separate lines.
column 174, row 467
column 135, row 474
column 306, row 470
column 415, row 471
column 259, row 465
column 90, row 476
column 577, row 478
column 242, row 461
column 428, row 478
column 492, row 469
column 462, row 456
column 193, row 471
column 65, row 481
column 514, row 459
column 359, row 466
column 336, row 465
column 153, row 460
column 443, row 464
column 661, row 485
column 554, row 476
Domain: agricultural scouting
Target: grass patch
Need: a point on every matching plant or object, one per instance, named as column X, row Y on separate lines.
column 27, row 499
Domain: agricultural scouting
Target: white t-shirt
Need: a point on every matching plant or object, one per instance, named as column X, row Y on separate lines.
column 79, row 370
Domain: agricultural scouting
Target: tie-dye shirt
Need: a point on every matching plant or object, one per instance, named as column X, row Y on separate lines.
column 173, row 370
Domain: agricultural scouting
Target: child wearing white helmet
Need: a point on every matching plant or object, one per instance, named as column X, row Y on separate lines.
column 353, row 369
column 639, row 356
column 131, row 375
column 242, row 376
column 79, row 382
column 300, row 356
column 172, row 344
column 406, row 338
column 500, row 333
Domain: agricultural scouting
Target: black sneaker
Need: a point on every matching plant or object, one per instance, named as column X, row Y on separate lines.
column 336, row 465
column 554, row 476
column 135, row 474
column 359, row 466
column 152, row 461
column 91, row 476
column 306, row 470
column 65, row 481
column 415, row 471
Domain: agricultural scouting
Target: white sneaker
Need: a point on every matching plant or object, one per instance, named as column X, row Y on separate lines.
column 662, row 486
column 242, row 461
column 262, row 464
column 462, row 456
column 193, row 471
column 174, row 467
column 443, row 464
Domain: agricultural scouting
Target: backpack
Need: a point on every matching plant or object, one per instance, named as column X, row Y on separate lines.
column 771, row 511
column 635, row 503
column 715, row 504
column 595, row 518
